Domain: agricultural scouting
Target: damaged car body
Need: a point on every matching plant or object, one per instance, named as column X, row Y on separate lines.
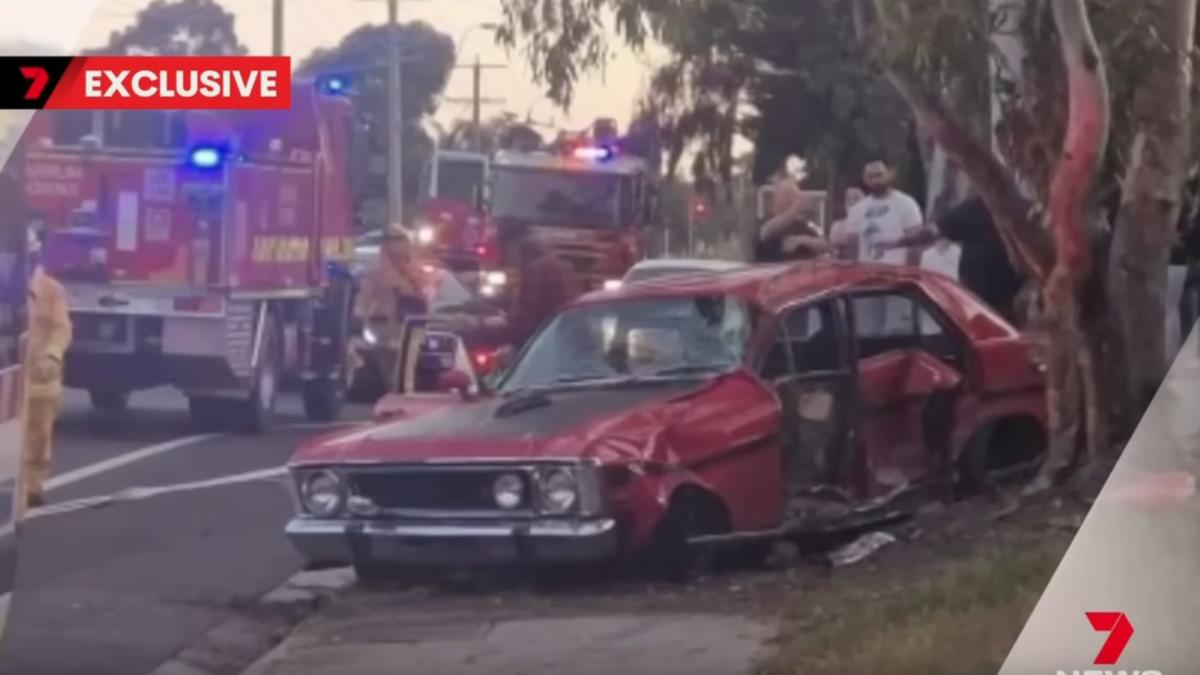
column 715, row 410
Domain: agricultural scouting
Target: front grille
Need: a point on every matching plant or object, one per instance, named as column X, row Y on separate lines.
column 435, row 490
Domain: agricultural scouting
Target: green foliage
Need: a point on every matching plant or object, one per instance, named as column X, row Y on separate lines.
column 176, row 28
column 428, row 57
column 505, row 131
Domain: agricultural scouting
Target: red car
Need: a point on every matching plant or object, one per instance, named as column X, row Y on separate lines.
column 727, row 408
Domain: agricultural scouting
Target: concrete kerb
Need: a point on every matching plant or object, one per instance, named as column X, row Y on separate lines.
column 233, row 645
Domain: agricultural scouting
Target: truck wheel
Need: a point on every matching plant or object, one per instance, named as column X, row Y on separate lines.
column 257, row 410
column 323, row 398
column 109, row 400
column 366, row 384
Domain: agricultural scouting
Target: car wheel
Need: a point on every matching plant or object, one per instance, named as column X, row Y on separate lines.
column 257, row 410
column 109, row 400
column 366, row 384
column 690, row 514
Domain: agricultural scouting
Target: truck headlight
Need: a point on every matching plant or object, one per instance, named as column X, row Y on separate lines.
column 321, row 493
column 426, row 234
column 509, row 491
column 496, row 278
column 559, row 491
column 612, row 284
column 370, row 336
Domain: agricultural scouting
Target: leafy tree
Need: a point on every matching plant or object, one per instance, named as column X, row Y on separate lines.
column 360, row 60
column 505, row 131
column 1067, row 131
column 178, row 28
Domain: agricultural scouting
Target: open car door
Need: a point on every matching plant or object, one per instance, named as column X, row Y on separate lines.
column 432, row 369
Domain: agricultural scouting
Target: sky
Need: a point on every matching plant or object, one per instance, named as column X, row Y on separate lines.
column 70, row 25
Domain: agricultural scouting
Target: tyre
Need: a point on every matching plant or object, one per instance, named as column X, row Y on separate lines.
column 109, row 400
column 323, row 399
column 366, row 384
column 690, row 514
column 255, row 412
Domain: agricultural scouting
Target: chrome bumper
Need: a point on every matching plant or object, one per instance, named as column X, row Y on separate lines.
column 341, row 542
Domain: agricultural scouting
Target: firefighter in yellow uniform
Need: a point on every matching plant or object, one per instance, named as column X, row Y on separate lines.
column 49, row 336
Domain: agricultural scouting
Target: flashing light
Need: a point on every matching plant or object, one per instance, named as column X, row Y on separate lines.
column 599, row 153
column 334, row 85
column 481, row 250
column 426, row 235
column 206, row 157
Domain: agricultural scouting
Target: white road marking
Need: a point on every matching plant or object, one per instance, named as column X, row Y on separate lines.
column 126, row 459
column 139, row 493
column 119, row 461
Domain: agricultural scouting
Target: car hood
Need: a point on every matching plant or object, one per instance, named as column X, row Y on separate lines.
column 561, row 425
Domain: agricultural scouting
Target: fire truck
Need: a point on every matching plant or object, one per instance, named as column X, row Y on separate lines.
column 585, row 198
column 454, row 225
column 203, row 250
column 14, row 292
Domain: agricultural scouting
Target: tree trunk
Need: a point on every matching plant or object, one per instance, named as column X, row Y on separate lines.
column 1151, row 204
column 1073, row 383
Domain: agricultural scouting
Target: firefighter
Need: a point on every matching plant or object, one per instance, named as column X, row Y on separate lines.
column 49, row 336
column 393, row 283
column 544, row 285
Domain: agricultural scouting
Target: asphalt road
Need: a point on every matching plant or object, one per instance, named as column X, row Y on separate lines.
column 118, row 589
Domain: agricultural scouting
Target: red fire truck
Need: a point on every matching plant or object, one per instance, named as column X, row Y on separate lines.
column 202, row 250
column 587, row 200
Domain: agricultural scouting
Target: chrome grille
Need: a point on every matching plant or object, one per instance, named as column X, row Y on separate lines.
column 467, row 490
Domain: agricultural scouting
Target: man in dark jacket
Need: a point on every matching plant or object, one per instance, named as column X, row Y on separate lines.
column 984, row 266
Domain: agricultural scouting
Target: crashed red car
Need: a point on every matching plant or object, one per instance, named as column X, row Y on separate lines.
column 736, row 407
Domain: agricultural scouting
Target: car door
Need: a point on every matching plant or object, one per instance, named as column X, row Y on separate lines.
column 910, row 363
column 809, row 365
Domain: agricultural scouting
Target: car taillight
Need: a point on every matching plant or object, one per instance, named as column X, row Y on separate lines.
column 484, row 362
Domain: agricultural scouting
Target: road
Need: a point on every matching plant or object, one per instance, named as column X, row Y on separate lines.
column 118, row 589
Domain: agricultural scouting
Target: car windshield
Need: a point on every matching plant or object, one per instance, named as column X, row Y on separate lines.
column 459, row 180
column 563, row 198
column 629, row 340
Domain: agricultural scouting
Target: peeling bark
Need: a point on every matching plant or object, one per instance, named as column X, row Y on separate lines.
column 1073, row 385
column 1151, row 205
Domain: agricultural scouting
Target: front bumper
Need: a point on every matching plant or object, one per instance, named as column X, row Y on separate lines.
column 421, row 543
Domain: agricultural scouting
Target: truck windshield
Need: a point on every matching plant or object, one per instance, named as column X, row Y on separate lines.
column 635, row 340
column 145, row 129
column 558, row 198
column 459, row 180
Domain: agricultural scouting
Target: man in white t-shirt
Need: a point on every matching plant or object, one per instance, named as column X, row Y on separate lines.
column 883, row 217
column 878, row 221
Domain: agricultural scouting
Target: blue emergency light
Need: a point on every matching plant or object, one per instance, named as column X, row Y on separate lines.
column 206, row 157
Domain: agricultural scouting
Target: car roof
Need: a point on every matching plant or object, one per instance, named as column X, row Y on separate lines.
column 774, row 287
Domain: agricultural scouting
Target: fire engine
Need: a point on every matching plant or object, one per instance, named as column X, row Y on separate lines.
column 586, row 198
column 204, row 250
column 454, row 224
column 14, row 290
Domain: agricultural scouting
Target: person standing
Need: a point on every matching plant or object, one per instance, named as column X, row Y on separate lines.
column 984, row 266
column 879, row 220
column 50, row 334
column 844, row 242
column 883, row 217
column 790, row 233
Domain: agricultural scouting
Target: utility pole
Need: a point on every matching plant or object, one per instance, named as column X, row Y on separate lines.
column 277, row 28
column 395, row 119
column 477, row 100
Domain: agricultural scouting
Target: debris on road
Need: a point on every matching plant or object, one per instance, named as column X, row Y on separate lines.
column 860, row 549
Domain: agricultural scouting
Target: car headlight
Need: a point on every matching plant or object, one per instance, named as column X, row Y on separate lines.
column 509, row 491
column 612, row 284
column 559, row 491
column 426, row 235
column 321, row 493
column 496, row 278
column 370, row 336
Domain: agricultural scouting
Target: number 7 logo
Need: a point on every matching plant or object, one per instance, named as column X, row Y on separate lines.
column 1119, row 630
column 38, row 79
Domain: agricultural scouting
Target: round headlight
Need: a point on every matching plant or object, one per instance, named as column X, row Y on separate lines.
column 509, row 491
column 322, row 493
column 559, row 491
